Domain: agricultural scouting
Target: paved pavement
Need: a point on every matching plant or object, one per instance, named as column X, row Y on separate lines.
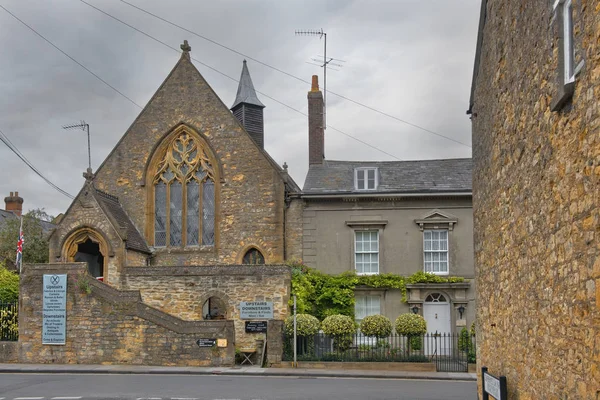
column 237, row 370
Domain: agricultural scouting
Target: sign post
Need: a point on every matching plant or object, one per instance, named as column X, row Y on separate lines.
column 493, row 386
column 54, row 309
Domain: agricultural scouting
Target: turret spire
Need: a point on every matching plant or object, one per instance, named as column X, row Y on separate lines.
column 246, row 93
column 248, row 109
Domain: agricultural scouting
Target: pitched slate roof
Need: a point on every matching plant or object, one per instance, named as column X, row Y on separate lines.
column 7, row 215
column 110, row 204
column 420, row 176
column 246, row 93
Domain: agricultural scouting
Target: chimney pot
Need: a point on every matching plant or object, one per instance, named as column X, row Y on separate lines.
column 316, row 138
column 315, row 83
column 14, row 203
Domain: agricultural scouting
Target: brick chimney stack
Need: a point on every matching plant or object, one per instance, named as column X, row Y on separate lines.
column 14, row 203
column 316, row 138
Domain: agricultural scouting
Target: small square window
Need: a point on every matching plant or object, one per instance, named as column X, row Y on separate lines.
column 365, row 178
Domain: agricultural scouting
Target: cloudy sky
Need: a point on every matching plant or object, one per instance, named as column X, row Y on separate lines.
column 410, row 59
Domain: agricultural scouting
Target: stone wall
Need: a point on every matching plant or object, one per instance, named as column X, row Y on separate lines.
column 111, row 326
column 536, row 202
column 182, row 291
column 86, row 212
column 9, row 352
column 250, row 188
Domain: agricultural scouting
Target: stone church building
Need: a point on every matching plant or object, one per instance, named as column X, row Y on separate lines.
column 184, row 210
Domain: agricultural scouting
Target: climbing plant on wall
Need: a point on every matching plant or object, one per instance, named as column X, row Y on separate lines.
column 322, row 295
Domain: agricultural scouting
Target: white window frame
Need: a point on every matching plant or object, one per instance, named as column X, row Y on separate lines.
column 367, row 299
column 569, row 58
column 360, row 338
column 363, row 251
column 438, row 251
column 365, row 185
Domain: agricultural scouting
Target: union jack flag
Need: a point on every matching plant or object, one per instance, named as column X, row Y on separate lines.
column 19, row 261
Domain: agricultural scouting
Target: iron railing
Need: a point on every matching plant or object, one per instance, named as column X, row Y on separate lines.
column 9, row 321
column 450, row 352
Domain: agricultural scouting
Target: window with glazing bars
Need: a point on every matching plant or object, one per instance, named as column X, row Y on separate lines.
column 184, row 196
column 435, row 255
column 366, row 248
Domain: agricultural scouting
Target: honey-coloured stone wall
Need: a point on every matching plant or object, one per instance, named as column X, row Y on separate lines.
column 109, row 326
column 536, row 197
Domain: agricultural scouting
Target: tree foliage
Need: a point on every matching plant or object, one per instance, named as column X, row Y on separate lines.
column 411, row 325
column 9, row 286
column 306, row 325
column 376, row 325
column 338, row 325
column 35, row 247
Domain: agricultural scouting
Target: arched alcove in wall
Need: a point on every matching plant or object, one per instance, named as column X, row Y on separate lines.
column 87, row 245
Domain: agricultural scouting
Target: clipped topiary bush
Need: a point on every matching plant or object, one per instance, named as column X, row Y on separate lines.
column 376, row 325
column 306, row 325
column 338, row 325
column 411, row 325
column 342, row 328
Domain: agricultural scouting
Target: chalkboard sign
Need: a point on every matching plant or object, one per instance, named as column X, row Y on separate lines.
column 256, row 326
column 206, row 342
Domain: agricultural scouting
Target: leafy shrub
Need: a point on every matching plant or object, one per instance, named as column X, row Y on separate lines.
column 338, row 325
column 306, row 325
column 342, row 328
column 9, row 323
column 376, row 325
column 9, row 286
column 464, row 340
column 411, row 325
column 415, row 342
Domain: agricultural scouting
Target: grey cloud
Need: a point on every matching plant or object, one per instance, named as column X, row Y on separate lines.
column 412, row 59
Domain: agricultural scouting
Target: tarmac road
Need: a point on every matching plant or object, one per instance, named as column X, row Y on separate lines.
column 34, row 386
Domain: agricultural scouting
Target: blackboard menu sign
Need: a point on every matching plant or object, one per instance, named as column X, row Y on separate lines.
column 256, row 326
column 206, row 342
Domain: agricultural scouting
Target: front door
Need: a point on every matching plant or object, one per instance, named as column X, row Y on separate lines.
column 436, row 311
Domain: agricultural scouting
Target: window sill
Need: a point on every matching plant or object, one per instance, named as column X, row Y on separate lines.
column 366, row 273
column 184, row 250
column 565, row 93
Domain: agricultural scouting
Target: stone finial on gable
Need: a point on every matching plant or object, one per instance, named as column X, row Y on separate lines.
column 186, row 48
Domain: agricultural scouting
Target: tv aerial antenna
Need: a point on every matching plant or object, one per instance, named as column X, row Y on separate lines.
column 84, row 127
column 323, row 62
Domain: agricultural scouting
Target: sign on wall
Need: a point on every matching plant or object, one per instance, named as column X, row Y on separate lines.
column 256, row 310
column 206, row 342
column 494, row 386
column 256, row 326
column 54, row 309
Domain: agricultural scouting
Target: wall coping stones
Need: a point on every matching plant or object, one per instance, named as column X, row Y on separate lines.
column 131, row 301
column 213, row 270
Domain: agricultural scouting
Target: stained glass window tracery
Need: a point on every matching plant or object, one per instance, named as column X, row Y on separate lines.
column 184, row 195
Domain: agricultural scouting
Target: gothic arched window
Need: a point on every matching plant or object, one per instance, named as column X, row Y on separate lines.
column 254, row 257
column 184, row 195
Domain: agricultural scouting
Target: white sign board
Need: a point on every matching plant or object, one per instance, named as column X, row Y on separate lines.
column 492, row 385
column 54, row 311
column 256, row 310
